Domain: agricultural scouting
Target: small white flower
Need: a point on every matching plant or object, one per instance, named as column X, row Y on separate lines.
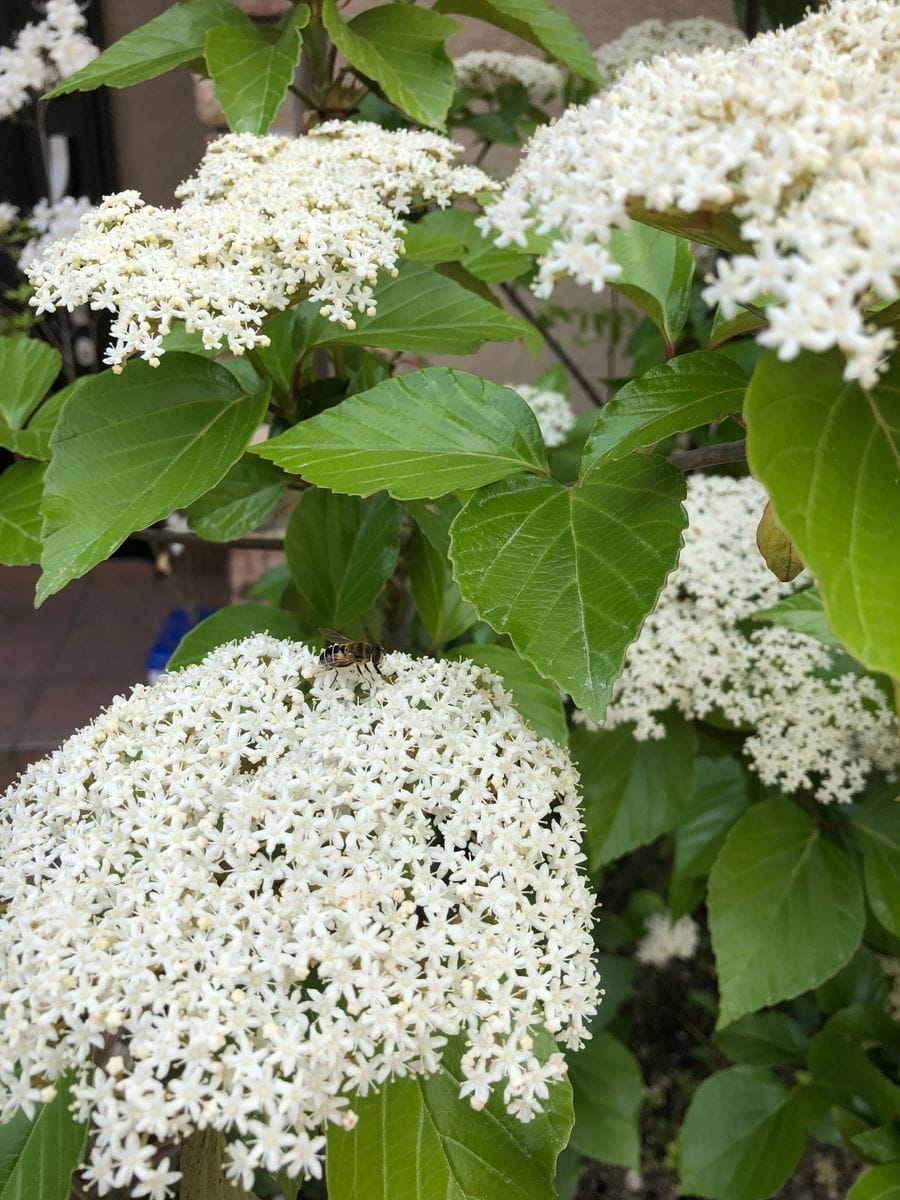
column 382, row 865
column 647, row 39
column 554, row 416
column 808, row 729
column 265, row 221
column 664, row 940
column 796, row 134
column 487, row 70
column 43, row 54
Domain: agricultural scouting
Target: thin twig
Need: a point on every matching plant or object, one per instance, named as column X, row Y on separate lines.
column 709, row 456
column 168, row 537
column 559, row 350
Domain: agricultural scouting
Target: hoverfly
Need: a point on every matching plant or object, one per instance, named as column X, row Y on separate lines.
column 339, row 652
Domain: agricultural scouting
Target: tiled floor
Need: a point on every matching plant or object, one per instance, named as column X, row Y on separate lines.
column 64, row 661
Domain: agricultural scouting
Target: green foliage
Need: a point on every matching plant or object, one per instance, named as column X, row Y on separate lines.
column 441, row 609
column 21, row 489
column 843, row 1069
column 252, row 71
column 763, row 1039
column 534, row 21
column 808, row 434
column 418, row 435
column 27, row 368
column 37, row 1157
column 416, row 1140
column 785, row 908
column 633, row 791
column 716, row 800
column 657, row 270
column 231, row 624
column 536, row 699
column 341, row 551
column 742, row 1137
column 239, row 502
column 607, row 1089
column 401, row 48
column 803, row 612
column 420, row 311
column 451, row 235
column 570, row 573
column 879, row 827
column 175, row 37
column 879, row 1183
column 163, row 435
column 681, row 394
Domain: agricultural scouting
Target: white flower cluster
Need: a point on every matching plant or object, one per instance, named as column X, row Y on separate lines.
column 665, row 940
column 61, row 219
column 264, row 222
column 9, row 214
column 809, row 727
column 486, row 70
column 43, row 54
column 257, row 889
column 797, row 134
column 647, row 39
column 554, row 416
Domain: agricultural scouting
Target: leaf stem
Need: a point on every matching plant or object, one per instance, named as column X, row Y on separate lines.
column 709, row 456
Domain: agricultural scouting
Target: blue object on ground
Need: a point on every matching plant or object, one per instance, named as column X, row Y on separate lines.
column 176, row 625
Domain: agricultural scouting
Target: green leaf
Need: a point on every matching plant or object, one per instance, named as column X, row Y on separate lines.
column 716, row 800
column 607, row 1089
column 27, row 368
column 879, row 825
column 176, row 36
column 341, row 551
column 537, row 22
column 657, row 272
column 129, row 449
column 21, row 489
column 681, row 394
column 618, row 975
column 881, row 1144
column 37, row 1157
column 416, row 1140
column 452, row 235
column 401, row 47
column 861, row 981
column 239, row 502
column 745, row 320
column 536, row 699
column 442, row 610
column 633, row 791
column 419, row 312
column 803, row 612
column 741, row 1138
column 770, row 886
column 845, row 1071
column 417, row 435
column 233, row 624
column 763, row 1039
column 810, row 436
column 251, row 73
column 878, row 1183
column 570, row 573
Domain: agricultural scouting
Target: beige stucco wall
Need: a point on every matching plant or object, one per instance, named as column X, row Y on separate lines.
column 159, row 139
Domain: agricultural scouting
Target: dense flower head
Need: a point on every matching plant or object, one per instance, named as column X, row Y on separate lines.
column 554, row 414
column 52, row 221
column 43, row 54
column 258, row 888
column 796, row 134
column 647, row 39
column 813, row 723
column 264, row 222
column 666, row 939
column 9, row 214
column 487, row 70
